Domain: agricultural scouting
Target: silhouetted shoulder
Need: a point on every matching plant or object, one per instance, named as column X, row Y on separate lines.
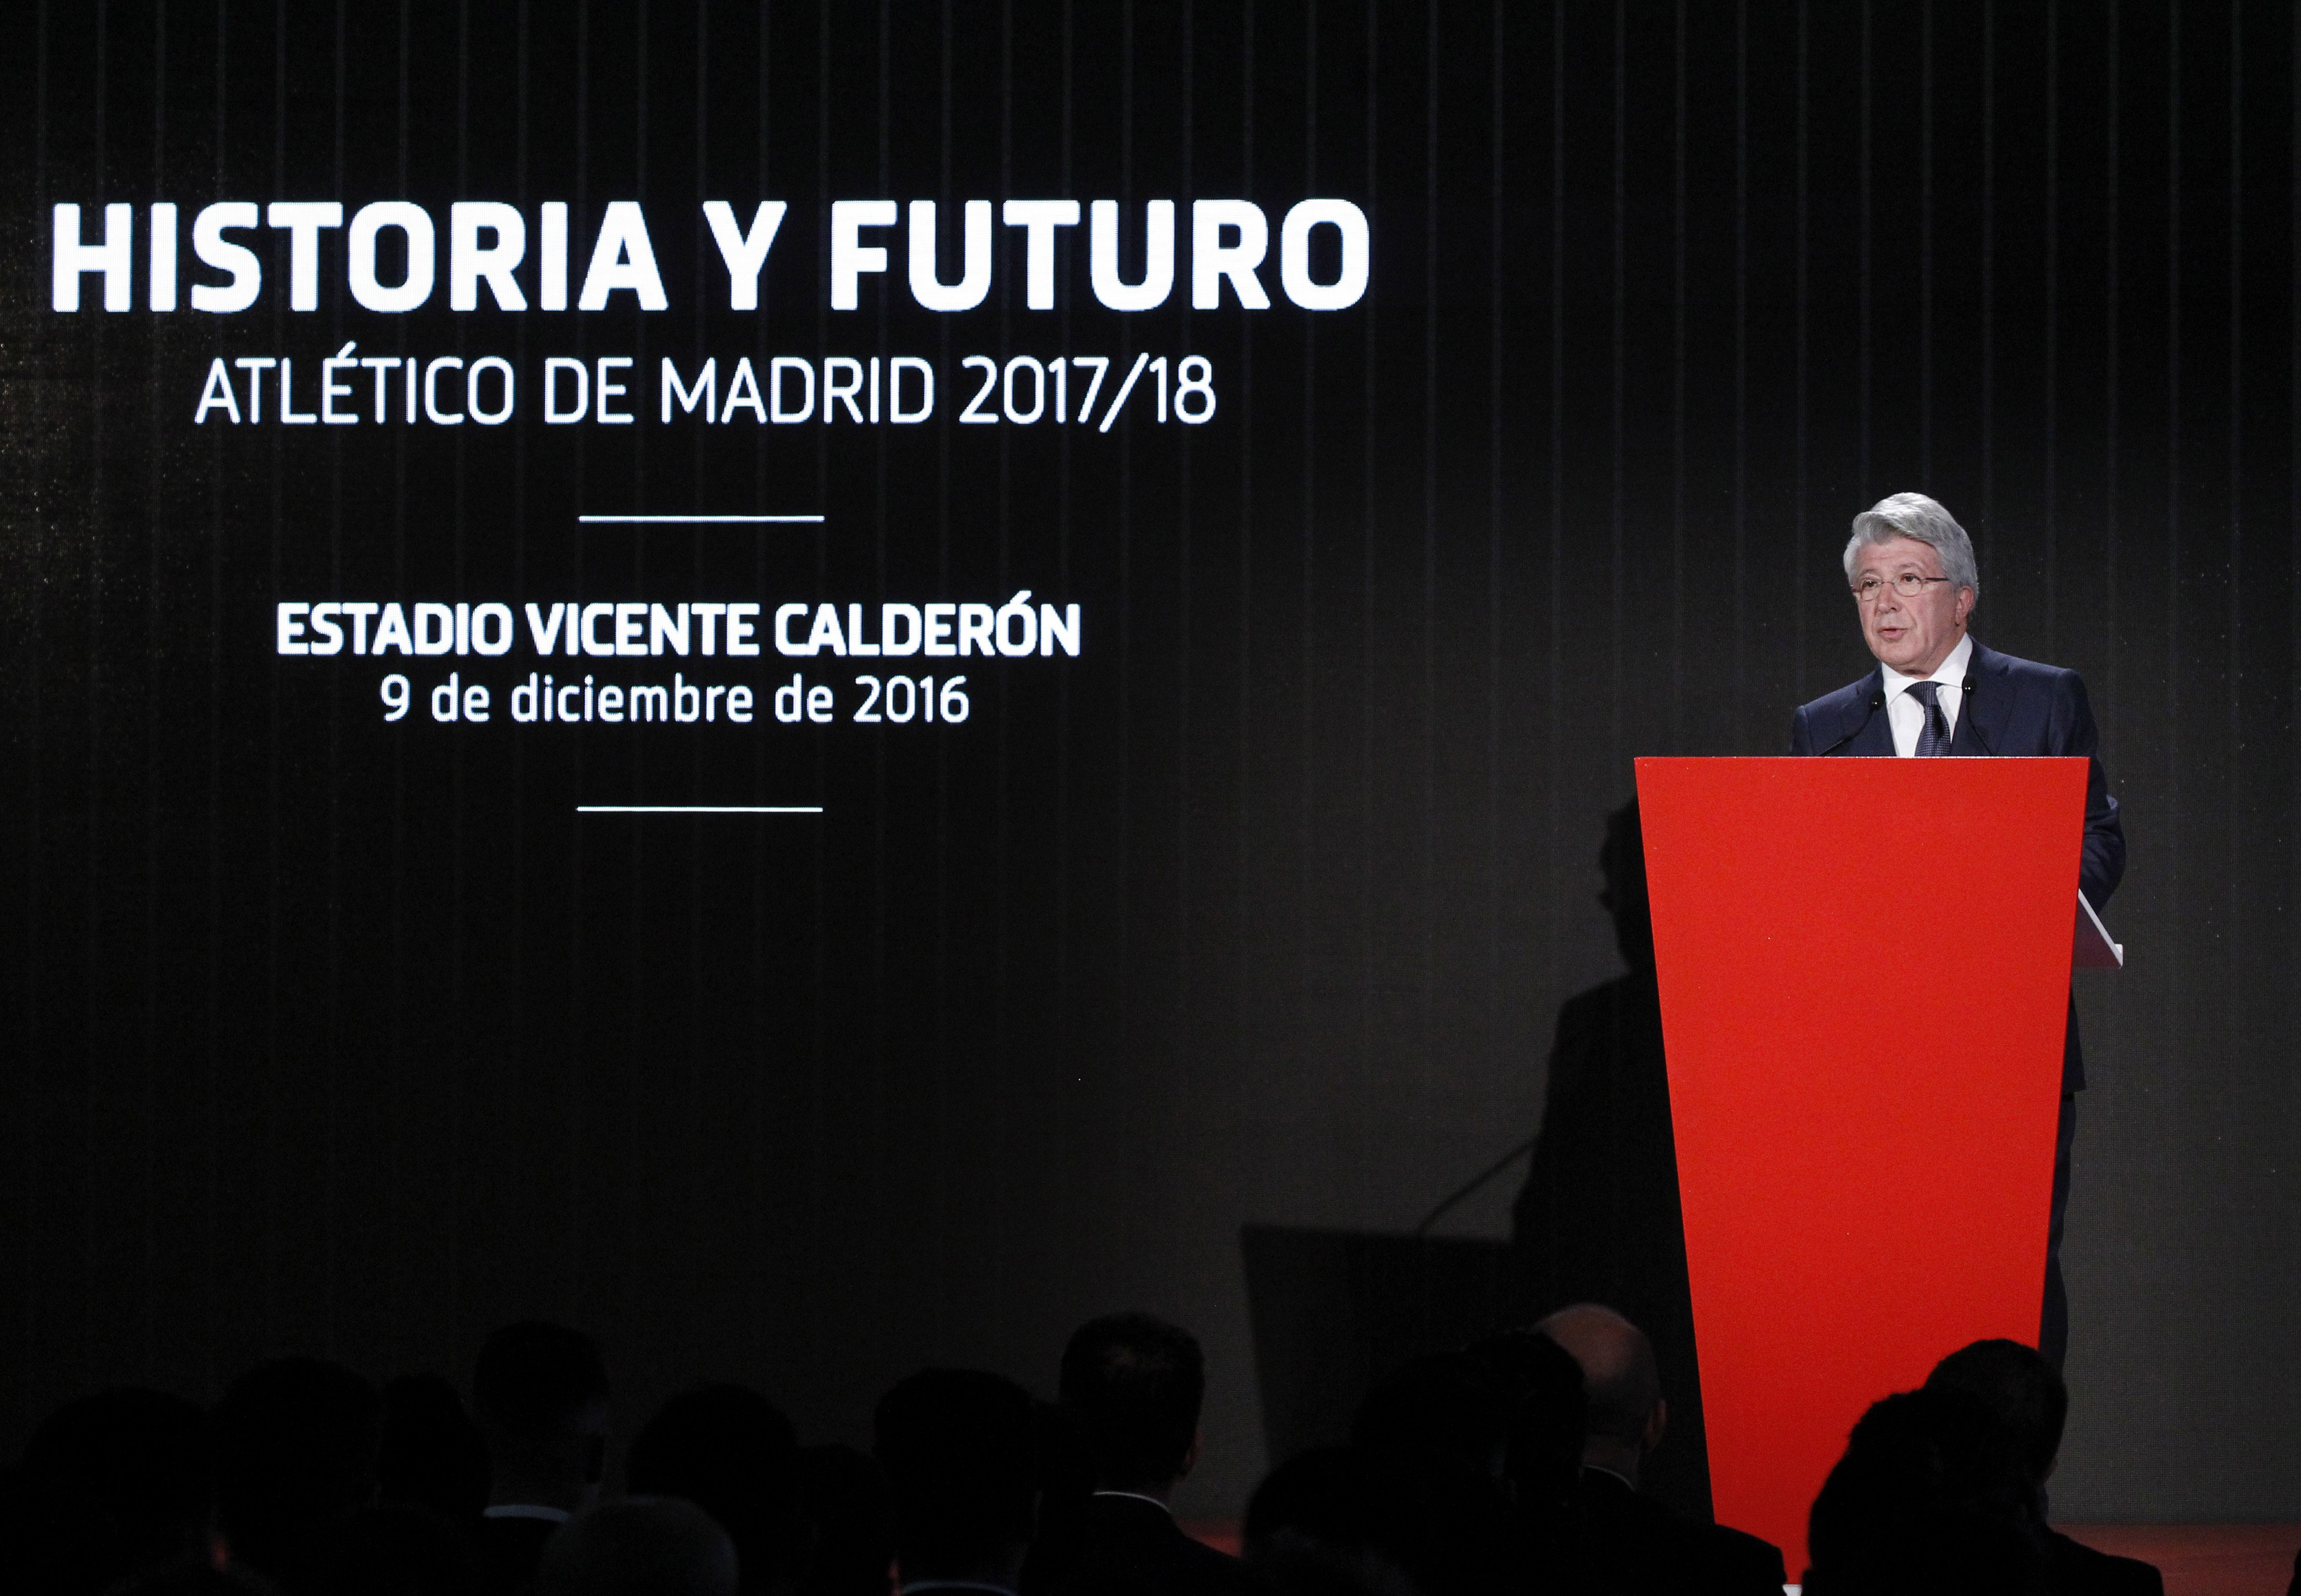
column 1595, row 1008
column 1740, row 1561
column 508, row 1550
column 1129, row 1547
column 1628, row 1542
column 1602, row 1031
column 1215, row 1572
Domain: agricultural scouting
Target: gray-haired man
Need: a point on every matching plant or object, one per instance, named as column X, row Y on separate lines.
column 1937, row 691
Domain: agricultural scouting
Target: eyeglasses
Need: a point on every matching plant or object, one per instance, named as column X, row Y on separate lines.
column 1909, row 584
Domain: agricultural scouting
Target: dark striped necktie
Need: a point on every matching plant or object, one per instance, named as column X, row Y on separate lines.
column 1933, row 738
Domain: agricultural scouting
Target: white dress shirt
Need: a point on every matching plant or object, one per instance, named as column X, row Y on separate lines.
column 1906, row 713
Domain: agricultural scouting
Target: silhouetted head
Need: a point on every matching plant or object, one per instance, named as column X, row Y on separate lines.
column 1549, row 1415
column 641, row 1546
column 1447, row 1402
column 1324, row 1520
column 114, row 1483
column 732, row 1453
column 539, row 1393
column 850, row 1536
column 394, row 1549
column 1928, row 1483
column 2021, row 1390
column 960, row 1451
column 296, row 1445
column 432, row 1454
column 1135, row 1385
column 1621, row 1381
column 1622, row 860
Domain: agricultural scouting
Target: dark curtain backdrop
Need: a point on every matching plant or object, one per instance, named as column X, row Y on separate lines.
column 330, row 1036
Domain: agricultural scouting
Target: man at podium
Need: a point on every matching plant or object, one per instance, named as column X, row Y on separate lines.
column 1937, row 693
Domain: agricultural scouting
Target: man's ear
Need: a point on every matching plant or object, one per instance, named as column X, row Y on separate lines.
column 1965, row 601
column 1191, row 1457
column 1657, row 1422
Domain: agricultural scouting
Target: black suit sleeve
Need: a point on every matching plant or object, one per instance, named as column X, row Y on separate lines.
column 1801, row 734
column 2102, row 865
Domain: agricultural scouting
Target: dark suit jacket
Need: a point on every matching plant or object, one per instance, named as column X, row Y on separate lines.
column 2013, row 708
column 1124, row 1546
column 1624, row 1543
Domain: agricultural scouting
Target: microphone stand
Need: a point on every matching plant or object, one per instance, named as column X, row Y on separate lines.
column 1476, row 1183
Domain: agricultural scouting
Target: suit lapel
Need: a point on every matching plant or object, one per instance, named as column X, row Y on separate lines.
column 1981, row 718
column 1875, row 739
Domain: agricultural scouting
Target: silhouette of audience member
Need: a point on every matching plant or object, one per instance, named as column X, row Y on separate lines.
column 432, row 1454
column 296, row 1444
column 1623, row 1540
column 732, row 1453
column 960, row 1451
column 851, row 1537
column 1442, row 1425
column 1324, row 1522
column 1067, row 1479
column 540, row 1393
column 1130, row 1391
column 1598, row 1218
column 1547, row 1407
column 1410, row 1523
column 193, row 1579
column 111, row 1486
column 1929, row 1497
column 640, row 1546
column 1449, row 1403
column 2024, row 1394
column 394, row 1549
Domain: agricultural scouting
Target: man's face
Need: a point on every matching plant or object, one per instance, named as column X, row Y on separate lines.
column 1911, row 634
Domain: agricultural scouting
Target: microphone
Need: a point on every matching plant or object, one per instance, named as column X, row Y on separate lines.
column 1473, row 1184
column 1877, row 703
column 1965, row 713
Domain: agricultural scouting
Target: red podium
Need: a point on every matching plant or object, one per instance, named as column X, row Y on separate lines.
column 1865, row 974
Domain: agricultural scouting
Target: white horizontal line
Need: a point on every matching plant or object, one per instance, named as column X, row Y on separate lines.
column 698, row 808
column 695, row 519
